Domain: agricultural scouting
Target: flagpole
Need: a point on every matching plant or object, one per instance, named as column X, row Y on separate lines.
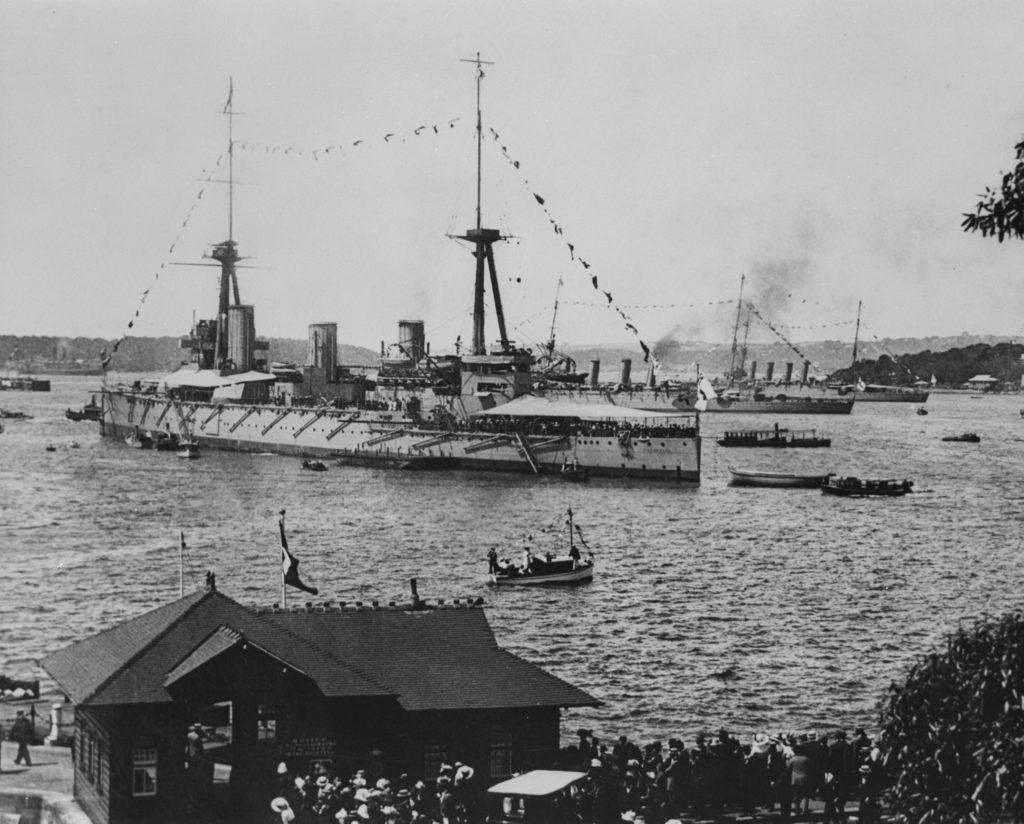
column 284, row 590
column 181, row 566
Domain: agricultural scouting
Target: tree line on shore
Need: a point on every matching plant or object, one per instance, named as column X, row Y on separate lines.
column 951, row 367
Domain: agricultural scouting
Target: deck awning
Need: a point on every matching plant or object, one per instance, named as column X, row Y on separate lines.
column 534, row 406
column 212, row 379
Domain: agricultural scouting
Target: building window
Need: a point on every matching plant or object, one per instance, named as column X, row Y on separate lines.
column 143, row 771
column 501, row 759
column 266, row 723
column 433, row 758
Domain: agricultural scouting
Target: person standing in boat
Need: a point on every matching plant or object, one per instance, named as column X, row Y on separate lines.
column 527, row 559
column 492, row 560
column 574, row 553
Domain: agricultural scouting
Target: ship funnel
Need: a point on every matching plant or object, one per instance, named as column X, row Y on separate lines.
column 624, row 370
column 789, row 371
column 650, row 376
column 753, row 371
column 241, row 337
column 322, row 351
column 806, row 369
column 411, row 339
column 770, row 371
column 595, row 370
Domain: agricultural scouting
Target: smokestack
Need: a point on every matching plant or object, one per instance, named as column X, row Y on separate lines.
column 624, row 370
column 789, row 371
column 806, row 369
column 770, row 371
column 753, row 371
column 650, row 376
column 595, row 370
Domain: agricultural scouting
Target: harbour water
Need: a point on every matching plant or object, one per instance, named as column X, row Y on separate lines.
column 752, row 609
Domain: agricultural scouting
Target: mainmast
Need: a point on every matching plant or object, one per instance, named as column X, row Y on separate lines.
column 483, row 239
column 736, row 330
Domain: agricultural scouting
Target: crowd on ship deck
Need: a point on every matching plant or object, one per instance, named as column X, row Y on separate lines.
column 653, row 784
column 556, row 427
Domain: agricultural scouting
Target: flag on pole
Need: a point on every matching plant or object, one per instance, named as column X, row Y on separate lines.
column 705, row 393
column 290, row 565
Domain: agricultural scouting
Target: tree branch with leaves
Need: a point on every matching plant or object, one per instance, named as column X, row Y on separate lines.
column 1000, row 213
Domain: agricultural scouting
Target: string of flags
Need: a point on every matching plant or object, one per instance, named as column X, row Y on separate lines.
column 895, row 358
column 343, row 149
column 610, row 301
column 781, row 336
column 207, row 177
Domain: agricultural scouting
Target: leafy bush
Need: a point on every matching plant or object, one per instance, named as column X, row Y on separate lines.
column 953, row 733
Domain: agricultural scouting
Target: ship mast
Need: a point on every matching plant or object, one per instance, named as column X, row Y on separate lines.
column 483, row 239
column 227, row 251
column 554, row 317
column 856, row 336
column 736, row 330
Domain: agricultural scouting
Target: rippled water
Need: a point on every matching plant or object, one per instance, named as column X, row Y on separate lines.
column 711, row 606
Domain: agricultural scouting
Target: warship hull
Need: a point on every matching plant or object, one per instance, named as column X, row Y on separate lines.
column 392, row 439
column 783, row 406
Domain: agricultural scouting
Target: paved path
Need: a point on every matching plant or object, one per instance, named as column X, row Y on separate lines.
column 51, row 769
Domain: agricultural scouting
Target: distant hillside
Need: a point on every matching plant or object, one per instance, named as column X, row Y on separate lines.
column 890, row 360
column 144, row 354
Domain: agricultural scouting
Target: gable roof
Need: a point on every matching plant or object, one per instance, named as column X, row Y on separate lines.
column 435, row 659
column 428, row 659
column 130, row 663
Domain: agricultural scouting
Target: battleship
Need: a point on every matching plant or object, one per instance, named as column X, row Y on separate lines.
column 471, row 410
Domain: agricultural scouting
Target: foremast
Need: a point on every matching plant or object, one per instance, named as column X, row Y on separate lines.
column 228, row 343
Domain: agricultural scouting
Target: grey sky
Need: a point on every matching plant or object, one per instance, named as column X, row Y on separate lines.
column 824, row 149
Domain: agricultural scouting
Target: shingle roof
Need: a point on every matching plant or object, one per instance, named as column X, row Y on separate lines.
column 222, row 640
column 83, row 668
column 429, row 659
column 436, row 659
column 129, row 664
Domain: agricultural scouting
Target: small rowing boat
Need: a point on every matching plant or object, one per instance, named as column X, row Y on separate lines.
column 966, row 437
column 753, row 477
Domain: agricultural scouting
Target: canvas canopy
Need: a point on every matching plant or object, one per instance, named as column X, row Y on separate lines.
column 537, row 783
column 211, row 379
column 533, row 406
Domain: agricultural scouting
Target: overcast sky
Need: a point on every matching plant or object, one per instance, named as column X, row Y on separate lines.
column 825, row 150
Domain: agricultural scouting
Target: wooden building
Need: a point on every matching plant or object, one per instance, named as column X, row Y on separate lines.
column 390, row 690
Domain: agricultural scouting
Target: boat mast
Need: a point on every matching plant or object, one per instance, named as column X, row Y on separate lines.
column 736, row 330
column 483, row 239
column 856, row 336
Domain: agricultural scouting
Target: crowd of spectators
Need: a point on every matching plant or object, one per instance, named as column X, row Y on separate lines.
column 451, row 797
column 658, row 783
column 717, row 774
